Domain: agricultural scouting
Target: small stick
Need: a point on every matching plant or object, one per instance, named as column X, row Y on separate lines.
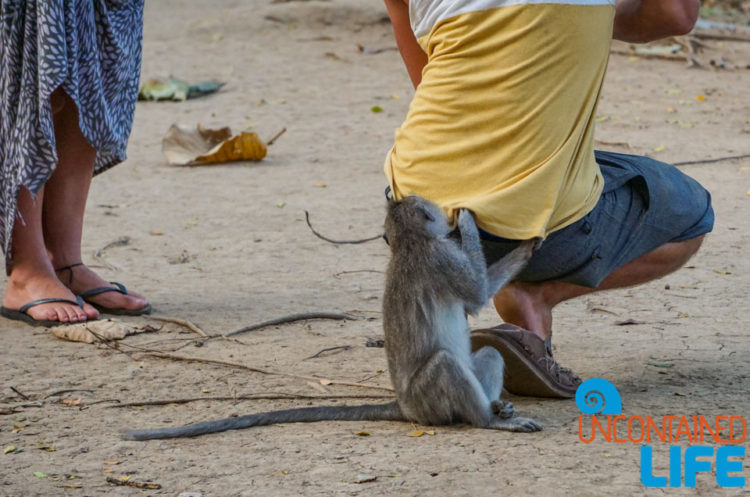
column 283, row 396
column 69, row 390
column 709, row 36
column 103, row 401
column 182, row 322
column 328, row 349
column 99, row 254
column 20, row 393
column 276, row 137
column 358, row 271
column 337, row 242
column 163, row 355
column 132, row 483
column 675, row 57
column 291, row 318
column 711, row 161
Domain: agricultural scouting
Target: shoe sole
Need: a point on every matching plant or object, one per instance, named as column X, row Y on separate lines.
column 522, row 375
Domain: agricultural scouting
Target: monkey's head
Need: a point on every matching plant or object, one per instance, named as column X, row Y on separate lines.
column 414, row 216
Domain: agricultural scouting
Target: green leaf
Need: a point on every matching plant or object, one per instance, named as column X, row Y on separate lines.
column 376, row 109
column 39, row 474
column 9, row 449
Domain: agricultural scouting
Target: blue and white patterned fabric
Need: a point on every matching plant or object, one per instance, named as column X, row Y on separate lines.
column 89, row 48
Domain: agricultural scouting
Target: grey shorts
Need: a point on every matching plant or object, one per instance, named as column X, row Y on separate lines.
column 645, row 204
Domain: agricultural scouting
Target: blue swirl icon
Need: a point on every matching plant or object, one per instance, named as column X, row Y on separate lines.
column 598, row 396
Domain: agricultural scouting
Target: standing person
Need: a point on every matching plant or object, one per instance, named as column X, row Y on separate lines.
column 69, row 75
column 502, row 124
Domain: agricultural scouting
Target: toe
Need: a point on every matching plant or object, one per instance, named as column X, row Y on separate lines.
column 90, row 311
column 62, row 315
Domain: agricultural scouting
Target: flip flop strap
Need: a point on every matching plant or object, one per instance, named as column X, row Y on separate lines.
column 69, row 269
column 78, row 301
column 118, row 287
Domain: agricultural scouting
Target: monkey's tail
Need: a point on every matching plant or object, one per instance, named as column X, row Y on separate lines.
column 367, row 412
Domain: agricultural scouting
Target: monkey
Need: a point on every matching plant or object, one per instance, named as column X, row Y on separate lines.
column 433, row 281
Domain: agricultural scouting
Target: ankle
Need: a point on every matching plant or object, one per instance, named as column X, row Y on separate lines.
column 525, row 305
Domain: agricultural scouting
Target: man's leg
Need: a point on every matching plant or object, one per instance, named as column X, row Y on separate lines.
column 64, row 205
column 529, row 305
column 32, row 276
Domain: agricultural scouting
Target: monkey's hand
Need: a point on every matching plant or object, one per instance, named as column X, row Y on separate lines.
column 466, row 224
column 503, row 408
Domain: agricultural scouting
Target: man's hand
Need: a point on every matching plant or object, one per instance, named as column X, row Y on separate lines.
column 640, row 21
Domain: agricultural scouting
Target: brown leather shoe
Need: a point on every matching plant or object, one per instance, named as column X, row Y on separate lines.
column 530, row 368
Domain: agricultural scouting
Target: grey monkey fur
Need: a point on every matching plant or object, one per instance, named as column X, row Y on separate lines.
column 432, row 282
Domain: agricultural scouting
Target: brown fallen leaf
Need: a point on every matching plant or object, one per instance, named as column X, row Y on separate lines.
column 72, row 403
column 415, row 434
column 184, row 146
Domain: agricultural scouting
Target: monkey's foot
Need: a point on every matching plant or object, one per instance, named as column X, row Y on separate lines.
column 503, row 408
column 518, row 424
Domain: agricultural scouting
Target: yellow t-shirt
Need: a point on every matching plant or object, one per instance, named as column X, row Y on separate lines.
column 502, row 123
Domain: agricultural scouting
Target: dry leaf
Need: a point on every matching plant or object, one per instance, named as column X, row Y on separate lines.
column 183, row 146
column 363, row 433
column 109, row 329
column 325, row 382
column 417, row 433
column 721, row 271
column 72, row 402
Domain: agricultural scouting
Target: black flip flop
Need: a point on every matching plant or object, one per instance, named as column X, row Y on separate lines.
column 119, row 288
column 530, row 368
column 21, row 315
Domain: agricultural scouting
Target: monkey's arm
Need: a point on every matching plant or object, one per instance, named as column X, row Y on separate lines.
column 472, row 247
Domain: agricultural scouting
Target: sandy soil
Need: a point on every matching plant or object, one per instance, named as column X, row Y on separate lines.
column 227, row 246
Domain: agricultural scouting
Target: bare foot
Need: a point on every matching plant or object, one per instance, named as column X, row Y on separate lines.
column 524, row 305
column 24, row 287
column 80, row 279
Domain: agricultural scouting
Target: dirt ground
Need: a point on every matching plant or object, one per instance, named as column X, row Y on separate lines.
column 227, row 246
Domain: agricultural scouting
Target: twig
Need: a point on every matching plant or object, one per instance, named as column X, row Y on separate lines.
column 103, row 401
column 336, row 275
column 163, row 355
column 99, row 254
column 711, row 161
column 69, row 390
column 291, row 318
column 675, row 57
column 338, row 242
column 709, row 36
column 24, row 397
column 328, row 349
column 182, row 322
column 246, row 397
column 132, row 483
column 275, row 137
